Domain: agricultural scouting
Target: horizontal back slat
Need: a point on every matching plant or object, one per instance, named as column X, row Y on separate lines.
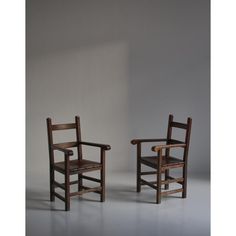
column 66, row 145
column 174, row 141
column 179, row 125
column 64, row 126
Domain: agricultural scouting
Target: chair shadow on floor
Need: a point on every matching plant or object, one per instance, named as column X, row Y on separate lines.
column 129, row 194
column 40, row 200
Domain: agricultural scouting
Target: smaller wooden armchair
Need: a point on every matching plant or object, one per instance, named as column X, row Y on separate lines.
column 77, row 166
column 163, row 161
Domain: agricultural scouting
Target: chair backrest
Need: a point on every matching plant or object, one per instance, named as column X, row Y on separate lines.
column 55, row 127
column 185, row 126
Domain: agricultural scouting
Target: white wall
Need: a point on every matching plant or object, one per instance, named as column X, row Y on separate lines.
column 123, row 66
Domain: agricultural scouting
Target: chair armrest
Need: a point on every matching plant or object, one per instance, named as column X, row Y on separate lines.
column 103, row 146
column 159, row 147
column 66, row 151
column 136, row 141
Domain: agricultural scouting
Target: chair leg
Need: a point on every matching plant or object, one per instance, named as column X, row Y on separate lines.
column 52, row 189
column 80, row 182
column 184, row 193
column 102, row 173
column 67, row 191
column 138, row 176
column 166, row 175
column 158, row 193
column 138, row 167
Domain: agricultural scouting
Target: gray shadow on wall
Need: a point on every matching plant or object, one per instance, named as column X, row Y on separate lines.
column 91, row 82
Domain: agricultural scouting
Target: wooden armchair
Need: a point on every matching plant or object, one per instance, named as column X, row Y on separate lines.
column 70, row 167
column 163, row 161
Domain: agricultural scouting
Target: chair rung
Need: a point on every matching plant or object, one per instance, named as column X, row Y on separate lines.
column 172, row 191
column 148, row 173
column 172, row 166
column 90, row 178
column 59, row 196
column 85, row 187
column 87, row 190
column 62, row 185
column 168, row 181
column 58, row 185
column 74, row 182
column 150, row 184
column 172, row 180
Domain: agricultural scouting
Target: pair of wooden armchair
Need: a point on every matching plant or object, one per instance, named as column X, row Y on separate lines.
column 162, row 162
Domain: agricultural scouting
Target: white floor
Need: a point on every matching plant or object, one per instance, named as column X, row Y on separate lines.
column 124, row 212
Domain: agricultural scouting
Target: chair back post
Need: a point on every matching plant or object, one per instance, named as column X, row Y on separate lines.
column 169, row 133
column 51, row 159
column 78, row 137
column 185, row 157
column 187, row 139
column 159, row 163
column 50, row 140
column 138, row 177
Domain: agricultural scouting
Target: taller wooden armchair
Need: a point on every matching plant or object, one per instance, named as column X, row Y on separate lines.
column 77, row 166
column 163, row 161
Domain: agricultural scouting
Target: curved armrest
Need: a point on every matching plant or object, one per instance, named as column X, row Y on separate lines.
column 103, row 146
column 159, row 147
column 66, row 151
column 136, row 141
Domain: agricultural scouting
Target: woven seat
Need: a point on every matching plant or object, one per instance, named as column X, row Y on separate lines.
column 170, row 162
column 77, row 166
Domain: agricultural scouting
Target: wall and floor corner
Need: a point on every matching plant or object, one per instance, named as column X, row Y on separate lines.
column 123, row 66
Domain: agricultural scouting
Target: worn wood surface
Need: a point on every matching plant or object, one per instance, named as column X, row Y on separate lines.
column 70, row 167
column 163, row 162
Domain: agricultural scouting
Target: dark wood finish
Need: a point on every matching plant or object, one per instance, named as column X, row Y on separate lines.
column 67, row 182
column 77, row 166
column 51, row 159
column 158, row 167
column 178, row 125
column 167, row 163
column 138, row 167
column 169, row 141
column 91, row 178
column 65, row 145
column 149, row 183
column 79, row 150
column 95, row 191
column 103, row 146
column 169, row 180
column 59, row 196
column 187, row 140
column 163, row 162
column 136, row 141
column 86, row 190
column 167, row 146
column 102, row 175
column 148, row 173
column 63, row 126
column 172, row 191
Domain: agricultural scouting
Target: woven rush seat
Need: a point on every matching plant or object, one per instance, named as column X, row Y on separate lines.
column 78, row 165
column 170, row 161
